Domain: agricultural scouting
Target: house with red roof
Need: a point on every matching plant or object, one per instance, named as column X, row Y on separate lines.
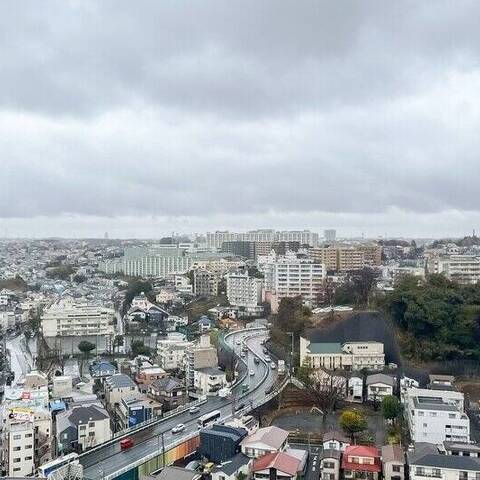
column 276, row 466
column 361, row 462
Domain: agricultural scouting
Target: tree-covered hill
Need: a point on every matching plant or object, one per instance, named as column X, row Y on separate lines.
column 438, row 319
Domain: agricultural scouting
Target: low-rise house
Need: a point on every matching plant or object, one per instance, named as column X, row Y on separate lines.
column 171, row 356
column 426, row 462
column 204, row 324
column 277, row 465
column 175, row 473
column 133, row 411
column 264, row 440
column 461, row 449
column 355, row 389
column 117, row 387
column 441, row 382
column 393, row 461
column 220, row 442
column 229, row 469
column 81, row 428
column 102, row 369
column 379, row 385
column 146, row 376
column 335, row 441
column 361, row 462
column 330, row 464
column 169, row 391
column 209, row 380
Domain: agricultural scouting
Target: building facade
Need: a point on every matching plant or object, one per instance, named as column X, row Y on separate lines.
column 69, row 318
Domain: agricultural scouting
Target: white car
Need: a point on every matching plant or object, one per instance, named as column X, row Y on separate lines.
column 252, row 373
column 267, row 358
column 243, row 354
column 194, row 409
column 178, row 428
column 273, row 366
column 238, row 341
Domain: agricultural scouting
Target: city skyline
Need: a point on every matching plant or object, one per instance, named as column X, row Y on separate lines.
column 287, row 116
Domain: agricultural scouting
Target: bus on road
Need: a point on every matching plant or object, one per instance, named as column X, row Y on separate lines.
column 208, row 418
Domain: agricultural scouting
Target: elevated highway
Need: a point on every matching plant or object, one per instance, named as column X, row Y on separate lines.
column 155, row 444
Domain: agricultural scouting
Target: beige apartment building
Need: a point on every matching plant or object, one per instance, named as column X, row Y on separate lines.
column 68, row 318
column 349, row 356
column 345, row 258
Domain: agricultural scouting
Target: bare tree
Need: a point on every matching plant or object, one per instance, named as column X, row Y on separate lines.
column 325, row 389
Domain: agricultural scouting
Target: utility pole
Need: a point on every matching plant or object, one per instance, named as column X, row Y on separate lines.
column 292, row 335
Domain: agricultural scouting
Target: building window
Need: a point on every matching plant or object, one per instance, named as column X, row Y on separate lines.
column 16, row 460
column 28, row 458
column 17, row 437
column 16, row 449
column 396, row 468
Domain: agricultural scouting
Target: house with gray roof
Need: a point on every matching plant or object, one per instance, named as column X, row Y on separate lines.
column 425, row 461
column 119, row 386
column 379, row 385
column 393, row 461
column 81, row 428
column 169, row 391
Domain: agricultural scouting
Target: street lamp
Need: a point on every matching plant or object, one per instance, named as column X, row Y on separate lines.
column 292, row 335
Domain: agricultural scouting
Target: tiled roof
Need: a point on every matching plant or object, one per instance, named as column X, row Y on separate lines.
column 361, row 451
column 272, row 436
column 393, row 453
column 280, row 461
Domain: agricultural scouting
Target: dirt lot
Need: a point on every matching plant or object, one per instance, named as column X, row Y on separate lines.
column 302, row 421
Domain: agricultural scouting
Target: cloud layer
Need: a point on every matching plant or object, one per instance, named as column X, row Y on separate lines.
column 251, row 111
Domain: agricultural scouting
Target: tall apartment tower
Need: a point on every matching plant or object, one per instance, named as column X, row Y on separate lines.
column 330, row 235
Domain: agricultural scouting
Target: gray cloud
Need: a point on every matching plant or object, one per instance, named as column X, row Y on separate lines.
column 207, row 108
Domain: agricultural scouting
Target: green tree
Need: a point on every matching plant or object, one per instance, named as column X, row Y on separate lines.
column 139, row 348
column 86, row 347
column 352, row 422
column 391, row 407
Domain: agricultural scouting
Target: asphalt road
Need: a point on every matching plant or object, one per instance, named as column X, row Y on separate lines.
column 105, row 462
column 312, row 470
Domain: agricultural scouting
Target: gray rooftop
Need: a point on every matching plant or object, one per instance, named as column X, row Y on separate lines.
column 432, row 403
column 120, row 380
column 210, row 371
column 176, row 473
column 436, row 460
column 85, row 414
column 325, row 348
column 380, row 378
column 231, row 466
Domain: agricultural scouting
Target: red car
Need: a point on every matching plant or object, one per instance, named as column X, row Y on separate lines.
column 126, row 443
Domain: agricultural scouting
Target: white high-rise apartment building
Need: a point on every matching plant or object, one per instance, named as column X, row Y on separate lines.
column 215, row 239
column 68, row 318
column 291, row 276
column 243, row 290
column 436, row 416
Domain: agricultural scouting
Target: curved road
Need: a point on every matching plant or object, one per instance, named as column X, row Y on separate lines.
column 106, row 462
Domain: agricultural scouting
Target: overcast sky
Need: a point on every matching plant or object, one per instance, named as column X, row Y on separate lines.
column 142, row 118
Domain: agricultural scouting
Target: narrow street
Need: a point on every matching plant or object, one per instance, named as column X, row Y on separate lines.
column 20, row 360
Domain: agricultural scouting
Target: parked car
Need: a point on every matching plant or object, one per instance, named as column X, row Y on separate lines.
column 256, row 360
column 126, row 443
column 269, row 390
column 178, row 428
column 273, row 366
column 267, row 358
